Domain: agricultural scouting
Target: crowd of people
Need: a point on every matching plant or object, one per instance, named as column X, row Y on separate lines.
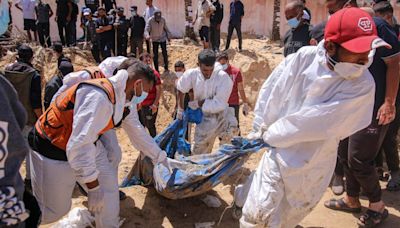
column 329, row 108
column 106, row 27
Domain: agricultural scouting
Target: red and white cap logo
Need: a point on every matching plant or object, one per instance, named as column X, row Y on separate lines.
column 365, row 24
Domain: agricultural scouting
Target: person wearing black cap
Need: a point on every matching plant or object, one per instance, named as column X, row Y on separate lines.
column 105, row 33
column 27, row 82
column 137, row 25
column 122, row 26
column 56, row 82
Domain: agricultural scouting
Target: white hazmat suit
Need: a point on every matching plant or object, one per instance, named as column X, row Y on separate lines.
column 305, row 109
column 53, row 181
column 218, row 118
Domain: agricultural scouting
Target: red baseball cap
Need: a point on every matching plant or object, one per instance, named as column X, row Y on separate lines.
column 354, row 30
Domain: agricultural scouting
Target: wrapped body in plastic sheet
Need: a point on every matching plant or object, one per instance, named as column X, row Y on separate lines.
column 188, row 176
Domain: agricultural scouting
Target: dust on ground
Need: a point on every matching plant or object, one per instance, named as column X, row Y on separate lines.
column 144, row 207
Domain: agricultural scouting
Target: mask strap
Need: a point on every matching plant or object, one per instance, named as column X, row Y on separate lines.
column 331, row 61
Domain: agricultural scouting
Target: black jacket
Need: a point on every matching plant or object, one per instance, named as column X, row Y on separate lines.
column 51, row 88
column 137, row 24
column 218, row 15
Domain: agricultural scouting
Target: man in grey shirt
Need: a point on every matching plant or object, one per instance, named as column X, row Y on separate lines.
column 158, row 32
column 147, row 14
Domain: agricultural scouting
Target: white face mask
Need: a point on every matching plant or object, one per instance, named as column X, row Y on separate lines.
column 224, row 66
column 351, row 71
column 179, row 74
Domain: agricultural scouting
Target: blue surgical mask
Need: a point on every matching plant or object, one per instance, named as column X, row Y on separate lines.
column 137, row 100
column 4, row 16
column 294, row 22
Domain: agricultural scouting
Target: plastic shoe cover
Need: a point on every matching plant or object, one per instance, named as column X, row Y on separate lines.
column 77, row 218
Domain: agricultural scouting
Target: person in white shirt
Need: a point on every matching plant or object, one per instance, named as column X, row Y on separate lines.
column 211, row 90
column 312, row 100
column 27, row 8
column 204, row 11
column 147, row 14
column 62, row 156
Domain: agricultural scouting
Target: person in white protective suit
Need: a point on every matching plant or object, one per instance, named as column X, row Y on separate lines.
column 107, row 67
column 312, row 100
column 87, row 110
column 211, row 88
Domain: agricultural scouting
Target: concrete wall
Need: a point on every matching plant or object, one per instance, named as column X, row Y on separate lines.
column 257, row 20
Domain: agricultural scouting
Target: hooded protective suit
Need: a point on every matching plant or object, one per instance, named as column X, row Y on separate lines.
column 218, row 118
column 305, row 109
column 88, row 161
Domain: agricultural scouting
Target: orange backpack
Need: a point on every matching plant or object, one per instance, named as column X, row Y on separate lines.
column 55, row 124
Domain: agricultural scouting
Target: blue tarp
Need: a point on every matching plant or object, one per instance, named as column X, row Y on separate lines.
column 188, row 176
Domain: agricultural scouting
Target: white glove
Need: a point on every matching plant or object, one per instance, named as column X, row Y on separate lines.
column 163, row 160
column 253, row 135
column 179, row 114
column 161, row 157
column 95, row 199
column 246, row 109
column 194, row 105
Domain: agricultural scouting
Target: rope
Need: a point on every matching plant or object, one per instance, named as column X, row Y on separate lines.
column 233, row 201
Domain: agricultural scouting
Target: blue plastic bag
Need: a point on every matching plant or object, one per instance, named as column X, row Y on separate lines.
column 189, row 176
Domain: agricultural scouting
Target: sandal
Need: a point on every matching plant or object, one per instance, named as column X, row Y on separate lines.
column 393, row 184
column 372, row 218
column 340, row 205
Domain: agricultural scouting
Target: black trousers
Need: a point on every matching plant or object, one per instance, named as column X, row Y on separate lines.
column 122, row 45
column 164, row 53
column 148, row 46
column 106, row 46
column 71, row 37
column 238, row 28
column 148, row 120
column 43, row 30
column 215, row 37
column 96, row 52
column 136, row 46
column 389, row 146
column 357, row 154
column 63, row 31
column 237, row 109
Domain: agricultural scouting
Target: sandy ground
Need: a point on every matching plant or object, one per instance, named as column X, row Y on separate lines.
column 144, row 207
